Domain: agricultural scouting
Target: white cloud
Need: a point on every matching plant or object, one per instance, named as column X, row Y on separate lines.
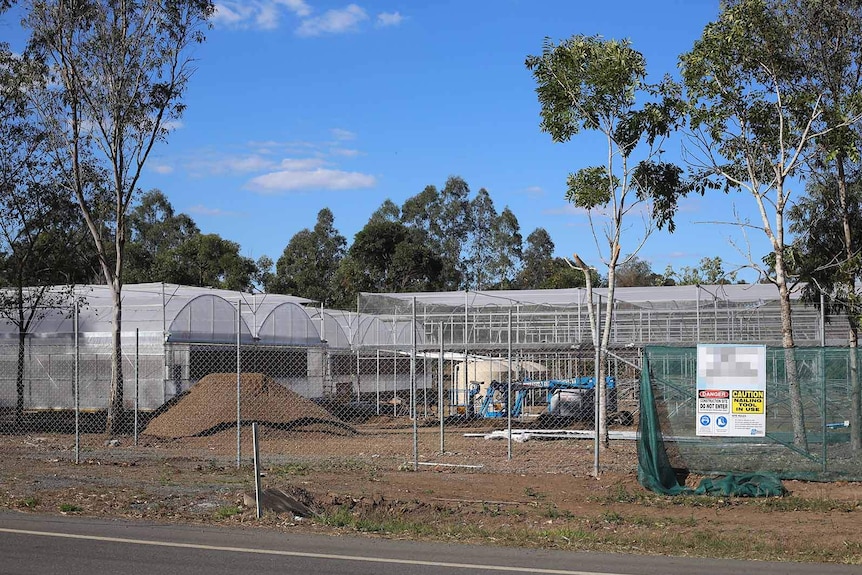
column 264, row 14
column 385, row 19
column 218, row 165
column 534, row 191
column 319, row 179
column 231, row 13
column 202, row 210
column 340, row 134
column 333, row 22
column 162, row 168
column 293, row 165
column 565, row 210
column 344, row 152
column 171, row 125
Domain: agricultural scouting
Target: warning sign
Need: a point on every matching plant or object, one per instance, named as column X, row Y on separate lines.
column 731, row 390
column 748, row 401
column 713, row 401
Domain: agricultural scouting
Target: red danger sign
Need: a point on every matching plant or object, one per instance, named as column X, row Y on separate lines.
column 713, row 394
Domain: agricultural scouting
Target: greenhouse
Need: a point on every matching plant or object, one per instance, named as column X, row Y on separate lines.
column 174, row 335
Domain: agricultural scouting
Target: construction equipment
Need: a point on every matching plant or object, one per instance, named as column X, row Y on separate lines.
column 565, row 397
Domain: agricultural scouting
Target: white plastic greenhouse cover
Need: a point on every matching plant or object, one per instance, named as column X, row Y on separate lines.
column 650, row 297
column 337, row 326
column 289, row 323
column 182, row 313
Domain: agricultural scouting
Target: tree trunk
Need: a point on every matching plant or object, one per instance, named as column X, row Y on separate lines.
column 853, row 336
column 115, row 405
column 797, row 413
column 855, row 391
column 606, row 339
column 19, row 380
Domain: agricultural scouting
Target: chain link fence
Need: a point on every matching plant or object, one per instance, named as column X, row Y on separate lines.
column 432, row 403
column 828, row 384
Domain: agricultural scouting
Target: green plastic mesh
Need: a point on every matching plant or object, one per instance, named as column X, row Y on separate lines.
column 668, row 447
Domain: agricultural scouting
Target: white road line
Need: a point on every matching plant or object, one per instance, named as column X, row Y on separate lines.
column 304, row 554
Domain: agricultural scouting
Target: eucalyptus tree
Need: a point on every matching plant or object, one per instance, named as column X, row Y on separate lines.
column 388, row 211
column 586, row 83
column 819, row 254
column 208, row 260
column 481, row 242
column 829, row 33
column 444, row 216
column 118, row 72
column 635, row 272
column 156, row 231
column 756, row 119
column 538, row 260
column 388, row 256
column 40, row 252
column 710, row 271
column 310, row 260
column 508, row 250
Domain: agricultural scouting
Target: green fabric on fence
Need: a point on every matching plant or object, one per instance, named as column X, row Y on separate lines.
column 656, row 473
column 743, row 485
column 654, row 468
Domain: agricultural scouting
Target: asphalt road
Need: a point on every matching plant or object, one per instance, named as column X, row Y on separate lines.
column 47, row 544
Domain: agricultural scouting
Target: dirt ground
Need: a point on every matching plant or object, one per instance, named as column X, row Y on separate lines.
column 364, row 483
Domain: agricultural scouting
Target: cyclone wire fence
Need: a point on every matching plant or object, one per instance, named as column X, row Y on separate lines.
column 827, row 378
column 497, row 390
column 408, row 404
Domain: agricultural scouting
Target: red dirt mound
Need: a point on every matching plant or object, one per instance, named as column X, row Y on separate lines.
column 210, row 406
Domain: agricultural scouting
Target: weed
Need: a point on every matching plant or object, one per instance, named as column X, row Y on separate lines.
column 69, row 508
column 530, row 492
column 341, row 517
column 30, row 502
column 612, row 517
column 227, row 512
column 554, row 512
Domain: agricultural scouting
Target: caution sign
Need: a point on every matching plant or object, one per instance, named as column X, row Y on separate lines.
column 748, row 401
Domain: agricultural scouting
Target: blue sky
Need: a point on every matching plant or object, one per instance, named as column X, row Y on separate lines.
column 297, row 105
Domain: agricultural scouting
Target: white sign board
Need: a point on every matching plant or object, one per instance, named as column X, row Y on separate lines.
column 731, row 390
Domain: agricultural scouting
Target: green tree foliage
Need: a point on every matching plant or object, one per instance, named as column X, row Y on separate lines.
column 819, row 255
column 41, row 254
column 635, row 272
column 208, row 260
column 481, row 242
column 156, row 232
column 310, row 260
column 508, row 250
column 829, row 33
column 586, row 83
column 118, row 71
column 564, row 276
column 538, row 260
column 710, row 272
column 388, row 257
column 387, row 212
column 444, row 217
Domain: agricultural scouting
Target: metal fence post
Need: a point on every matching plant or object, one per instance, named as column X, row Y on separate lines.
column 413, row 393
column 238, row 377
column 440, row 407
column 137, row 379
column 77, row 388
column 509, row 393
column 596, row 402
